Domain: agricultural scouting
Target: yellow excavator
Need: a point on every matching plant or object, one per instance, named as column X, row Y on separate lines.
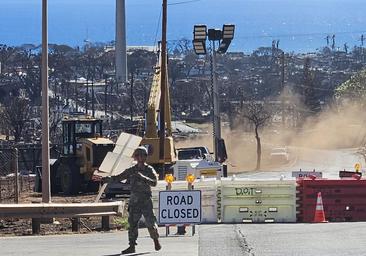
column 83, row 150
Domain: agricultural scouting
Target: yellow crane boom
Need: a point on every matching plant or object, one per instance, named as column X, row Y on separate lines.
column 151, row 138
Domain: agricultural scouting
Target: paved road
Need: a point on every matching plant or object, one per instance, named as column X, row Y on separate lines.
column 329, row 239
column 333, row 239
column 98, row 244
column 219, row 240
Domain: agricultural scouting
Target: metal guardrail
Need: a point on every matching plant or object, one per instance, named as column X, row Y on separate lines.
column 57, row 210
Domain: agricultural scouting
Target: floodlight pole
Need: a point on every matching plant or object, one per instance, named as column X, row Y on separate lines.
column 216, row 104
column 46, row 191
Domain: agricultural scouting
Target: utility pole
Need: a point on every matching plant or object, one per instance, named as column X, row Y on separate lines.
column 145, row 92
column 87, row 94
column 67, row 84
column 105, row 95
column 76, row 94
column 163, row 81
column 93, row 97
column 111, row 97
column 131, row 99
column 362, row 49
column 46, row 191
column 283, row 86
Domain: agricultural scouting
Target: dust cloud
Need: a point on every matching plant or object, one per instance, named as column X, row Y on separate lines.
column 333, row 128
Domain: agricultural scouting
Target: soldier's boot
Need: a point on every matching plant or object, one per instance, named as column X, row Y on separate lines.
column 157, row 244
column 130, row 249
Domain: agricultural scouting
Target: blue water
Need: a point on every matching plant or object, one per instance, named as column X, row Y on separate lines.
column 300, row 25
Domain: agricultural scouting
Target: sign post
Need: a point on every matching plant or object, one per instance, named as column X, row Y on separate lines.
column 190, row 181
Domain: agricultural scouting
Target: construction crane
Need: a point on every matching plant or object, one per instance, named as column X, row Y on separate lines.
column 158, row 131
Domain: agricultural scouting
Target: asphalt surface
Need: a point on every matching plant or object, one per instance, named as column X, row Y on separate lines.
column 333, row 239
column 328, row 239
column 222, row 240
column 98, row 244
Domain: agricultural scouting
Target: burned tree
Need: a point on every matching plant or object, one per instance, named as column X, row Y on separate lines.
column 311, row 100
column 14, row 116
column 258, row 115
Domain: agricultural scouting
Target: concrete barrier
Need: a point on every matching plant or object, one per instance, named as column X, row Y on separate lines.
column 245, row 200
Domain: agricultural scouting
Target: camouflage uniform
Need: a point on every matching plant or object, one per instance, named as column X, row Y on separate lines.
column 140, row 200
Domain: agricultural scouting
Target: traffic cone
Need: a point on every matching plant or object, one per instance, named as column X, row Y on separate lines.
column 319, row 216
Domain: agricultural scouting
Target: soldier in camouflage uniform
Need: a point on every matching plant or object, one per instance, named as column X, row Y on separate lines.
column 141, row 177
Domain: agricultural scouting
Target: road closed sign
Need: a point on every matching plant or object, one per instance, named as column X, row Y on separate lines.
column 180, row 207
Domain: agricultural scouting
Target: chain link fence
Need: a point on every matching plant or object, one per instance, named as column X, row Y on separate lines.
column 29, row 157
column 8, row 187
column 17, row 164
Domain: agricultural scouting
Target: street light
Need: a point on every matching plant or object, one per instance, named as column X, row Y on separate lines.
column 200, row 32
column 199, row 39
column 224, row 45
column 228, row 32
column 227, row 36
column 199, row 47
column 224, row 38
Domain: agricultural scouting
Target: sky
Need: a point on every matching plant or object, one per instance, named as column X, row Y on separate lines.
column 258, row 22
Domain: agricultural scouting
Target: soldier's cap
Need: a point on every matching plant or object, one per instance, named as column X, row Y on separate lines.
column 140, row 149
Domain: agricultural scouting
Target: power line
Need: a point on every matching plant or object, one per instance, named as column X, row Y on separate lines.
column 157, row 28
column 185, row 2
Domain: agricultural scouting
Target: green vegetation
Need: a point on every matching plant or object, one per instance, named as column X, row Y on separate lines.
column 354, row 89
column 121, row 222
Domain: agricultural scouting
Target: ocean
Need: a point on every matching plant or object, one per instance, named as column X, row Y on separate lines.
column 300, row 25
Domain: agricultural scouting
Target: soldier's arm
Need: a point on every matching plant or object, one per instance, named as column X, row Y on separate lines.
column 151, row 178
column 122, row 176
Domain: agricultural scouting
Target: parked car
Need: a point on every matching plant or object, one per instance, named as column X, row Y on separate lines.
column 280, row 155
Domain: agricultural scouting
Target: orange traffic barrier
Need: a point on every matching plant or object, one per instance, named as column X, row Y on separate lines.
column 319, row 216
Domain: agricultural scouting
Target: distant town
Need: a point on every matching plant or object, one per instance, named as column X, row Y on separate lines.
column 82, row 80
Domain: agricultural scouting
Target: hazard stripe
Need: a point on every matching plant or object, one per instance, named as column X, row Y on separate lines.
column 319, row 208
